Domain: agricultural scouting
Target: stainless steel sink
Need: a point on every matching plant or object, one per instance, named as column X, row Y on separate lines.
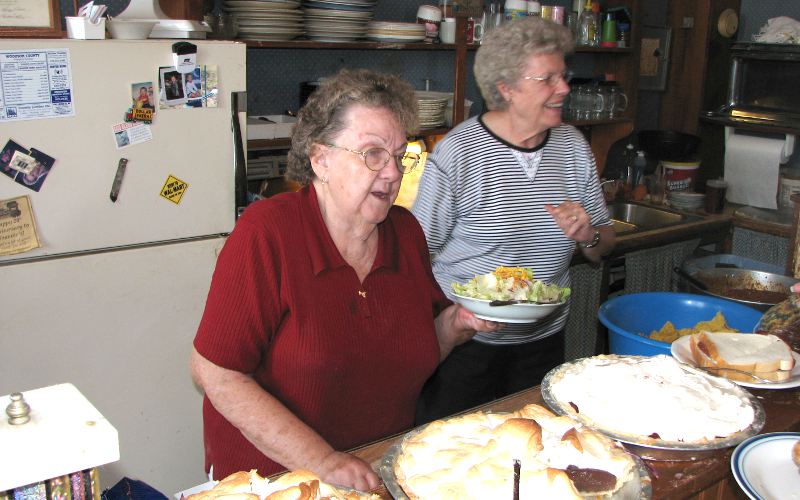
column 629, row 217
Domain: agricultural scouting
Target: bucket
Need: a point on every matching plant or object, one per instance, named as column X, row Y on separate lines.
column 680, row 176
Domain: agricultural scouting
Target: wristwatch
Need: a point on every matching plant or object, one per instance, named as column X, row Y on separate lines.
column 593, row 243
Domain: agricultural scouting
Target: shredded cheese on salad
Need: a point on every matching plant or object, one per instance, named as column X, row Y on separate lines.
column 511, row 283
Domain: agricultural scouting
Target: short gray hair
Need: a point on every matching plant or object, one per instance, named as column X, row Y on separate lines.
column 322, row 116
column 505, row 50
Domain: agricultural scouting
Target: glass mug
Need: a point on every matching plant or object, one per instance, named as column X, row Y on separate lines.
column 597, row 102
column 586, row 102
column 616, row 101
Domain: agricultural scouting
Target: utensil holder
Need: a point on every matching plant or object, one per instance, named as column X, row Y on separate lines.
column 83, row 29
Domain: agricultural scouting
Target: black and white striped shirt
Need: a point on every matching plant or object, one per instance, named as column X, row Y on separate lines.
column 481, row 204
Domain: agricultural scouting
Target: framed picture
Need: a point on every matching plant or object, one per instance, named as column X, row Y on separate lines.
column 30, row 18
column 654, row 57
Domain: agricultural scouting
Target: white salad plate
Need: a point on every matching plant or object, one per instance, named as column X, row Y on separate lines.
column 514, row 313
column 763, row 466
column 682, row 352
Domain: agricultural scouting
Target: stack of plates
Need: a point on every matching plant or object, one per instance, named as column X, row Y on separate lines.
column 431, row 108
column 381, row 31
column 337, row 20
column 272, row 20
column 686, row 200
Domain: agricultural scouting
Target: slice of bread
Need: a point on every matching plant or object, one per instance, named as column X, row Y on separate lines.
column 796, row 453
column 765, row 356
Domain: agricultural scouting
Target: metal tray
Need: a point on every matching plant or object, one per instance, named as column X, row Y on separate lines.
column 661, row 449
column 640, row 487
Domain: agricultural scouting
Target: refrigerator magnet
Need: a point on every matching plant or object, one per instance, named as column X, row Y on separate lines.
column 174, row 189
column 130, row 133
column 171, row 82
column 27, row 168
column 39, row 170
column 9, row 150
column 17, row 226
column 144, row 106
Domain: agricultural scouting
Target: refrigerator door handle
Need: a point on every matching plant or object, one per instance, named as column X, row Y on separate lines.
column 239, row 105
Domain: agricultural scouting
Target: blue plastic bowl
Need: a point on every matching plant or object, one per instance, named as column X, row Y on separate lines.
column 631, row 318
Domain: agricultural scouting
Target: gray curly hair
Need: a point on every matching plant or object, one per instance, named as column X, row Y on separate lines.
column 505, row 50
column 322, row 116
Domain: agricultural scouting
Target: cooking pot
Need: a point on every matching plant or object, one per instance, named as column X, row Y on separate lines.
column 757, row 289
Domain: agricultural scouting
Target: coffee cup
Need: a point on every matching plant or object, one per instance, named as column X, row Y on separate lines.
column 447, row 30
column 478, row 29
column 715, row 195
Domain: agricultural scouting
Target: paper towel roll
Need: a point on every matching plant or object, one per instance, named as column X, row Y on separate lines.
column 752, row 167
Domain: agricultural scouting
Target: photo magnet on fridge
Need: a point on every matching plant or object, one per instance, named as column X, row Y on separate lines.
column 171, row 82
column 42, row 166
column 143, row 107
column 200, row 89
column 6, row 156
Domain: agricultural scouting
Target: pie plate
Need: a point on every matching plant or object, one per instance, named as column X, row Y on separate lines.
column 655, row 448
column 639, row 487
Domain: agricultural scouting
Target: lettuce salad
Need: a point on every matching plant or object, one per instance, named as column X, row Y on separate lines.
column 511, row 283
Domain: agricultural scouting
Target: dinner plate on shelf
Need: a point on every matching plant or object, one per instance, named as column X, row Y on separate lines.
column 682, row 351
column 763, row 467
column 235, row 5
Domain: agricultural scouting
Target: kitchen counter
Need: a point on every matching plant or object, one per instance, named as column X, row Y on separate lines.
column 712, row 228
column 702, row 479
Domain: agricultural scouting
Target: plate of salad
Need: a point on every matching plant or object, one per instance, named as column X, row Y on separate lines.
column 510, row 295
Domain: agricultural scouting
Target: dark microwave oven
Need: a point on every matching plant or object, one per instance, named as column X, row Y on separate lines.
column 762, row 87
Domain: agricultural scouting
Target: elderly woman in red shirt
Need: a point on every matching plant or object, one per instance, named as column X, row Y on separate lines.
column 324, row 320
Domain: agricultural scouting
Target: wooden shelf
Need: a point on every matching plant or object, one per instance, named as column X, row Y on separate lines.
column 595, row 123
column 280, row 143
column 360, row 45
column 603, row 50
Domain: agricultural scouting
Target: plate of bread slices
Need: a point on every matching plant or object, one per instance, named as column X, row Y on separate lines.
column 760, row 361
column 767, row 466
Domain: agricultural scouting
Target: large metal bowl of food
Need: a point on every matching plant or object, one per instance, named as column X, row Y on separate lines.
column 757, row 289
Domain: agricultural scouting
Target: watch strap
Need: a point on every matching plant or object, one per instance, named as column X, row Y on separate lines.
column 593, row 243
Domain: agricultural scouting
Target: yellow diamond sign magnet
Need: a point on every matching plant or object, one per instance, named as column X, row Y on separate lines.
column 174, row 189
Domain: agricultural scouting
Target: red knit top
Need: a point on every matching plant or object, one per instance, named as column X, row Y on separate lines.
column 349, row 359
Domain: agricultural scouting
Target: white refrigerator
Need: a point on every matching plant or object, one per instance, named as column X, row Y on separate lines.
column 112, row 298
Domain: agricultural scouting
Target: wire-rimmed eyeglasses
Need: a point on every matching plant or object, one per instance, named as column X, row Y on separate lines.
column 377, row 158
column 552, row 79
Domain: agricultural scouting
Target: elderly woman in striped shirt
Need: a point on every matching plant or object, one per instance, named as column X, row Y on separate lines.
column 512, row 187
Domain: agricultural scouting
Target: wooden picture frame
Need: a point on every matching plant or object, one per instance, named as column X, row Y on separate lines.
column 30, row 18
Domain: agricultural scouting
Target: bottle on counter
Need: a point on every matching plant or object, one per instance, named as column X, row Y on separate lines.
column 626, row 177
column 639, row 166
